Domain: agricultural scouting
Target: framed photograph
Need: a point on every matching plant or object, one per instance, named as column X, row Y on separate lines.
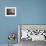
column 10, row 11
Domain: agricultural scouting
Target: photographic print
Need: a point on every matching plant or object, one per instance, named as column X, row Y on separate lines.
column 10, row 11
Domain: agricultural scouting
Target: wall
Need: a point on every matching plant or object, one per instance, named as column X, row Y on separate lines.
column 28, row 12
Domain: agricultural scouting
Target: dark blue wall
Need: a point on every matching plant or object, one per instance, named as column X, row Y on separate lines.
column 28, row 12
